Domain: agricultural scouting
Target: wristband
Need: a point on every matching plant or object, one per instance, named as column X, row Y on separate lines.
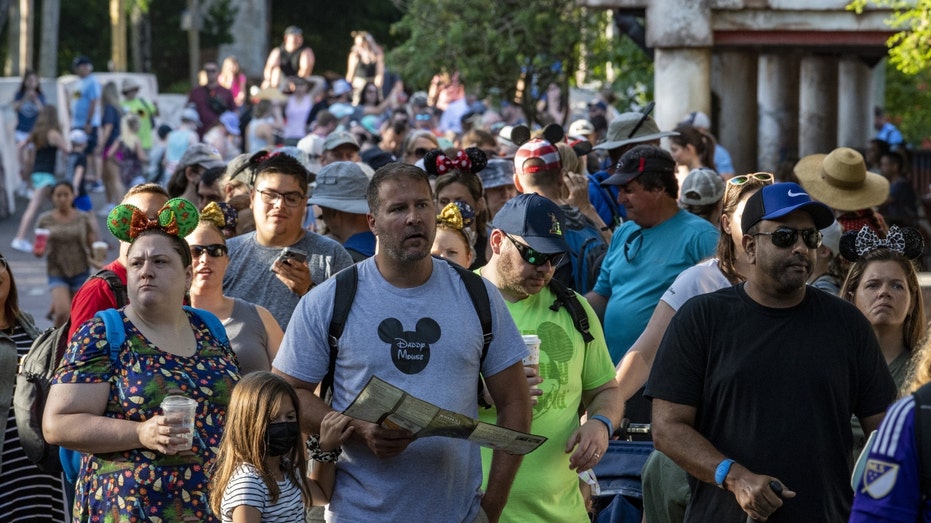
column 606, row 421
column 720, row 473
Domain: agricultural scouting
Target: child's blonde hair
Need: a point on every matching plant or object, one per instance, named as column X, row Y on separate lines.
column 256, row 400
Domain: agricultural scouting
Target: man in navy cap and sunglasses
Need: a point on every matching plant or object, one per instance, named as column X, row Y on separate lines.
column 754, row 385
column 527, row 243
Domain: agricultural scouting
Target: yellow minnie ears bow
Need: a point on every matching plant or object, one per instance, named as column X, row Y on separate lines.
column 456, row 215
column 177, row 217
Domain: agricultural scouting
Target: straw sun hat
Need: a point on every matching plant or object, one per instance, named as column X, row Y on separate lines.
column 840, row 180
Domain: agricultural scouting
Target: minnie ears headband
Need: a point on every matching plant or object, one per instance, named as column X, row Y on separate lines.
column 552, row 133
column 907, row 241
column 221, row 214
column 472, row 160
column 457, row 215
column 177, row 217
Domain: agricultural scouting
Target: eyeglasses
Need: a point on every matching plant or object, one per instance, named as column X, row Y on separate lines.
column 785, row 237
column 632, row 245
column 536, row 258
column 291, row 199
column 766, row 178
column 422, row 117
column 420, row 152
column 210, row 70
column 214, row 250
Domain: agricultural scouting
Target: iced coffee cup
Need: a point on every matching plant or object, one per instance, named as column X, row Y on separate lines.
column 532, row 341
column 41, row 240
column 99, row 251
column 180, row 411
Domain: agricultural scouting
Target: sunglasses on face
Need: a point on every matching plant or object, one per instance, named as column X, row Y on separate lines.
column 536, row 258
column 214, row 250
column 785, row 237
column 420, row 152
column 766, row 178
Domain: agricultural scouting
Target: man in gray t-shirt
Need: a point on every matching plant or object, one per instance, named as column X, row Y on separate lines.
column 255, row 274
column 413, row 325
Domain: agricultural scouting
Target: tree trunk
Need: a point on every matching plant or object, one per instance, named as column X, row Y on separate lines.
column 118, row 30
column 48, row 45
column 21, row 29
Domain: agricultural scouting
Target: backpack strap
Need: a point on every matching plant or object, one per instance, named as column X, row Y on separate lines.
column 116, row 285
column 570, row 300
column 478, row 293
column 116, row 333
column 347, row 280
column 610, row 200
column 923, row 437
column 217, row 330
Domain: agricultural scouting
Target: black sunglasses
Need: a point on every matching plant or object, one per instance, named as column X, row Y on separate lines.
column 536, row 258
column 420, row 152
column 214, row 250
column 785, row 237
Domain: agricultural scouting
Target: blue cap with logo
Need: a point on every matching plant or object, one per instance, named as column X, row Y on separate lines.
column 536, row 219
column 780, row 199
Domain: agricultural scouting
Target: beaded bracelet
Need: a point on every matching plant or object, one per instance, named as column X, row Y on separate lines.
column 313, row 447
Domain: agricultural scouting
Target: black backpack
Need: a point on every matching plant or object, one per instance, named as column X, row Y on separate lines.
column 923, row 437
column 347, row 280
column 33, row 379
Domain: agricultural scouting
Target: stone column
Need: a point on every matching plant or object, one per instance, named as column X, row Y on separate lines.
column 777, row 96
column 250, row 44
column 735, row 84
column 680, row 33
column 681, row 83
column 817, row 105
column 854, row 110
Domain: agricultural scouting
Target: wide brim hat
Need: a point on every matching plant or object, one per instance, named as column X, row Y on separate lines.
column 621, row 131
column 130, row 84
column 840, row 180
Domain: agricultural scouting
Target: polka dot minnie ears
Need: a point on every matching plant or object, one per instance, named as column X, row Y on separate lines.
column 177, row 217
column 906, row 241
column 471, row 160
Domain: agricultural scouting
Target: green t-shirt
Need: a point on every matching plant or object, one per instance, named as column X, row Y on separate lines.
column 145, row 110
column 545, row 488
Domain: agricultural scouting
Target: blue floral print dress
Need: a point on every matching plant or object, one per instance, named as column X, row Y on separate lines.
column 141, row 484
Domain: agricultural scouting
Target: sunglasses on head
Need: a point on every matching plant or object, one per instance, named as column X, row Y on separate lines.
column 214, row 250
column 536, row 258
column 785, row 237
column 766, row 178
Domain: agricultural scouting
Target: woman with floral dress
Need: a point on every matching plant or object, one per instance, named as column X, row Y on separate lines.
column 108, row 406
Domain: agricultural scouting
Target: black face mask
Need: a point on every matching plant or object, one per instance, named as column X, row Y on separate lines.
column 281, row 437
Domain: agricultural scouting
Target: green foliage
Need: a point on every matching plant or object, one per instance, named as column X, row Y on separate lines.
column 910, row 47
column 907, row 100
column 218, row 18
column 498, row 46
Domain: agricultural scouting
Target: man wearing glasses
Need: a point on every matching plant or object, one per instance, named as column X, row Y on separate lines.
column 648, row 251
column 754, row 385
column 527, row 243
column 257, row 271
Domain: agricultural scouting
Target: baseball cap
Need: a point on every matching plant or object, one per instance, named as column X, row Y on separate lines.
column 77, row 136
column 702, row 186
column 81, row 60
column 631, row 166
column 624, row 130
column 341, row 186
column 498, row 173
column 581, row 128
column 697, row 119
column 130, row 84
column 341, row 87
column 541, row 149
column 203, row 155
column 190, row 114
column 777, row 200
column 293, row 30
column 337, row 138
column 536, row 219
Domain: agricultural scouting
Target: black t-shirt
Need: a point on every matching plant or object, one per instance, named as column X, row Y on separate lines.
column 774, row 390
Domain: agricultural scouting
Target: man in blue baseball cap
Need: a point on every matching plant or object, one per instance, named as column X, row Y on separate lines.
column 754, row 385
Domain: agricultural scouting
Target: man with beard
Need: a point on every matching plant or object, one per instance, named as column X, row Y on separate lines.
column 526, row 244
column 259, row 270
column 411, row 323
column 754, row 385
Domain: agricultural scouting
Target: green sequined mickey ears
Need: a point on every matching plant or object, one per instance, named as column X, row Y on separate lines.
column 177, row 217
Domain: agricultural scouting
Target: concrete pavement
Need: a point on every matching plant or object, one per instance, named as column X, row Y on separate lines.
column 29, row 271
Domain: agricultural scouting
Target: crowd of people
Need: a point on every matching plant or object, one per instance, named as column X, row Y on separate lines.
column 285, row 244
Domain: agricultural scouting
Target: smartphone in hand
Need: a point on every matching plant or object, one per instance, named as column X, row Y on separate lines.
column 289, row 254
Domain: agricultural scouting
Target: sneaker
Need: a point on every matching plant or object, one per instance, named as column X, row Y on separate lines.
column 21, row 245
column 97, row 187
